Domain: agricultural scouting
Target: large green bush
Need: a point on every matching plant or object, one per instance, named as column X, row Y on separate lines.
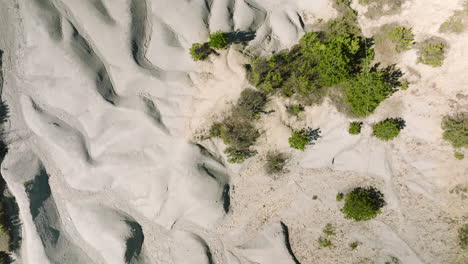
column 363, row 204
column 456, row 130
column 388, row 129
column 366, row 91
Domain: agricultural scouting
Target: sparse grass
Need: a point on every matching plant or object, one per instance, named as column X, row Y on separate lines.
column 456, row 23
column 463, row 236
column 379, row 8
column 355, row 128
column 388, row 129
column 363, row 204
column 456, row 129
column 218, row 40
column 328, row 230
column 458, row 155
column 339, row 197
column 275, row 162
column 432, row 52
column 324, row 242
column 306, row 136
column 200, row 51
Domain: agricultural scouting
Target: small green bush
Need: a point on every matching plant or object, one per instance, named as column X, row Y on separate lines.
column 324, row 242
column 300, row 139
column 402, row 37
column 463, row 236
column 5, row 258
column 388, row 129
column 315, row 197
column 218, row 40
column 355, row 128
column 353, row 245
column 294, row 109
column 200, row 52
column 275, row 162
column 238, row 155
column 339, row 197
column 363, row 204
column 432, row 53
column 459, row 155
column 456, row 130
column 251, row 103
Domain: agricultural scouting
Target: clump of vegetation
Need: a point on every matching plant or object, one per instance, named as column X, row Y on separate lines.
column 456, row 23
column 306, row 136
column 275, row 162
column 237, row 130
column 329, row 230
column 200, row 51
column 339, row 56
column 463, row 236
column 456, row 130
column 218, row 40
column 315, row 197
column 355, row 128
column 363, row 204
column 404, row 86
column 366, row 91
column 324, row 242
column 5, row 258
column 379, row 8
column 458, row 155
column 353, row 245
column 432, row 52
column 294, row 109
column 388, row 129
column 339, row 197
column 402, row 37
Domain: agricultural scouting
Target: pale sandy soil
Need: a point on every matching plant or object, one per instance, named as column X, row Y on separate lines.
column 106, row 104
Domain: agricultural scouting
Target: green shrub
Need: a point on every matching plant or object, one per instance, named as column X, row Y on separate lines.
column 251, row 103
column 388, row 129
column 5, row 258
column 353, row 245
column 456, row 130
column 339, row 197
column 200, row 52
column 355, row 128
column 366, row 91
column 218, row 40
column 402, row 37
column 315, row 197
column 275, row 162
column 458, row 155
column 463, row 236
column 432, row 52
column 294, row 109
column 362, row 204
column 324, row 242
column 238, row 155
column 329, row 230
column 300, row 139
column 404, row 86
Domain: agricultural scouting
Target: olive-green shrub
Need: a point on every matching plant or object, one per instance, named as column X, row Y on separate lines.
column 275, row 162
column 355, row 128
column 432, row 52
column 463, row 236
column 301, row 138
column 388, row 129
column 218, row 40
column 402, row 37
column 363, row 204
column 456, row 129
column 200, row 51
